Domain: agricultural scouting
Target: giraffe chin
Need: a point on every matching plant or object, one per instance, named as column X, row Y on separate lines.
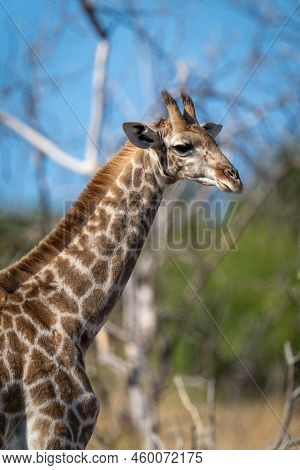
column 204, row 180
column 215, row 182
column 229, row 187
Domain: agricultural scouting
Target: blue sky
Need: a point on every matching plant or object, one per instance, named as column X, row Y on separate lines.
column 186, row 31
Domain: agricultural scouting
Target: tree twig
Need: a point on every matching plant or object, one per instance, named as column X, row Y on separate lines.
column 284, row 440
column 91, row 12
column 203, row 436
column 97, row 108
column 45, row 145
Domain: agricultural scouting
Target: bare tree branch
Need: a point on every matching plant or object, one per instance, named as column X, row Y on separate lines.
column 45, row 145
column 100, row 65
column 111, row 360
column 284, row 440
column 188, row 405
column 91, row 12
column 204, row 435
column 118, row 332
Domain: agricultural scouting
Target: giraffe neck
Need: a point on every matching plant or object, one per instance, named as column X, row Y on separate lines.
column 68, row 227
column 90, row 274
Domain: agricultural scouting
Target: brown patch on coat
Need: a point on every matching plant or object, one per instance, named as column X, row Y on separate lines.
column 92, row 303
column 118, row 192
column 150, row 178
column 104, row 218
column 71, row 325
column 47, row 342
column 7, row 320
column 88, row 407
column 4, row 374
column 39, row 368
column 16, row 344
column 32, row 291
column 14, row 309
column 85, row 256
column 63, row 302
column 68, row 388
column 73, row 278
column 54, row 410
column 120, row 227
column 126, row 177
column 17, row 404
column 3, row 295
column 2, row 341
column 137, row 177
column 42, row 392
column 39, row 313
column 134, row 198
column 15, row 297
column 83, row 378
column 100, row 272
column 56, row 444
column 86, row 433
column 117, row 267
column 106, row 246
column 63, row 432
column 26, row 328
column 68, row 354
column 15, row 364
column 115, row 204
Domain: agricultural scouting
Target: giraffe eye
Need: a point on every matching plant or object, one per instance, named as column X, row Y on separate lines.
column 183, row 149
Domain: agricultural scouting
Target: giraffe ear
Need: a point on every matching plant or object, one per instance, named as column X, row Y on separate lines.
column 212, row 129
column 140, row 134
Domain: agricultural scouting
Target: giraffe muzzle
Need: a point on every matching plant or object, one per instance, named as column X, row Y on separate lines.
column 231, row 181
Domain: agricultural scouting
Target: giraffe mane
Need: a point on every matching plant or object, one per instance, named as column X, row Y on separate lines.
column 65, row 230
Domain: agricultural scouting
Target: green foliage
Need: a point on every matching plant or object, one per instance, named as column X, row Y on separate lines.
column 247, row 308
column 15, row 239
column 253, row 296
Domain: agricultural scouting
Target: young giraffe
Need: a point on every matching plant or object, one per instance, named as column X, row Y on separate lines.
column 48, row 322
column 59, row 238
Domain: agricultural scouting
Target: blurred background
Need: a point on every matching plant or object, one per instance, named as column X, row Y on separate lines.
column 201, row 350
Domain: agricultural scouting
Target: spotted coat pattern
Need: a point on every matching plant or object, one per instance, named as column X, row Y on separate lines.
column 46, row 399
column 52, row 310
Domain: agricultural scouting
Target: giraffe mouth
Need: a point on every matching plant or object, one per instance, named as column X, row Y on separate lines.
column 206, row 181
column 225, row 186
column 229, row 186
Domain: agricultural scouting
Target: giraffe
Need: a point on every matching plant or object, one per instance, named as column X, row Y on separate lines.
column 60, row 298
column 62, row 234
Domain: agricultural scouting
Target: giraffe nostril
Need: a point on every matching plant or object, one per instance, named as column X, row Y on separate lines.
column 231, row 173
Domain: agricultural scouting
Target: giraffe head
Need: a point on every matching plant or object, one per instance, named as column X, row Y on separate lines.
column 186, row 149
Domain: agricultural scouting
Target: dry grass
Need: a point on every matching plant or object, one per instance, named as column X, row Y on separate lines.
column 241, row 424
